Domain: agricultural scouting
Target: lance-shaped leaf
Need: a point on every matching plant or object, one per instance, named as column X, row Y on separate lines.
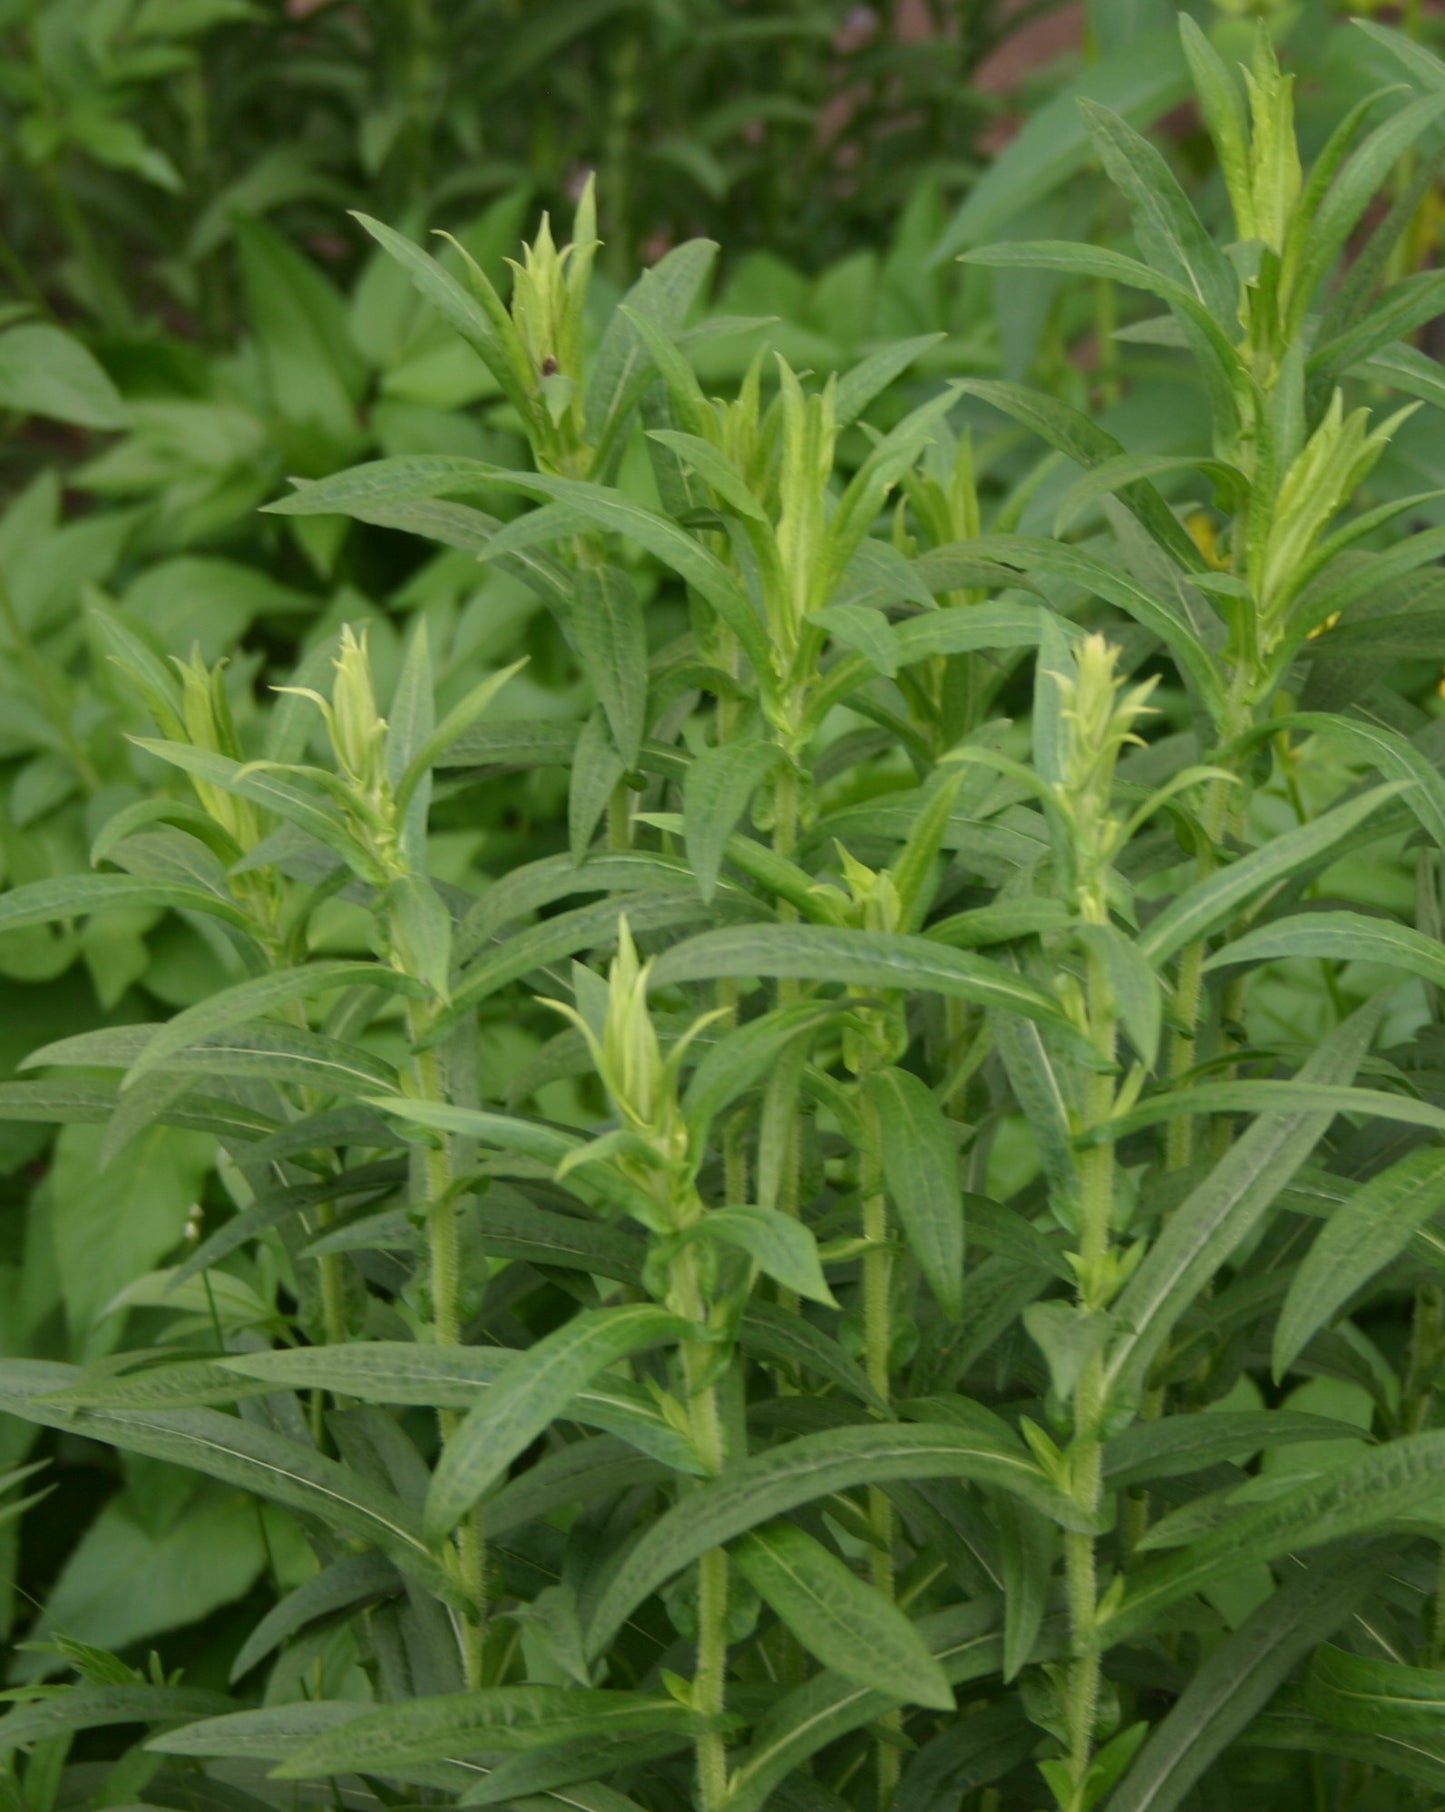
column 489, row 1718
column 770, row 1484
column 715, row 794
column 1035, row 554
column 1242, row 1674
column 1362, row 1236
column 777, row 1243
column 260, row 995
column 607, row 509
column 1170, row 233
column 1347, row 937
column 458, row 1377
column 530, row 1394
column 77, row 896
column 1264, row 1097
column 843, row 1622
column 1209, row 903
column 1209, row 1224
column 1381, row 1698
column 868, row 959
column 921, row 1168
column 357, row 1579
column 1379, row 1488
column 243, row 1454
column 611, row 637
column 967, row 1644
column 78, row 1708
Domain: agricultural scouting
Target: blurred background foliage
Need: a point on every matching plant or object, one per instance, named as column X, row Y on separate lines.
column 189, row 316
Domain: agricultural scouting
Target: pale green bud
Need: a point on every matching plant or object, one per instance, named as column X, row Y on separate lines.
column 1099, row 716
column 631, row 1054
column 358, row 730
column 1275, row 175
column 206, row 712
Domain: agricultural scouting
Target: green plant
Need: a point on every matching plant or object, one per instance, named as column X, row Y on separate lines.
column 878, row 1349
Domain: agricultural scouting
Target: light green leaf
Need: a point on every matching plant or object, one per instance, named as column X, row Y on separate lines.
column 44, row 371
column 1220, row 1212
column 1348, row 937
column 607, row 623
column 1170, row 233
column 458, row 1377
column 846, row 1624
column 77, row 896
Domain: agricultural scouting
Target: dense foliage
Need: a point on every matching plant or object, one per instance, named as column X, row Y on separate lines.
column 744, row 1010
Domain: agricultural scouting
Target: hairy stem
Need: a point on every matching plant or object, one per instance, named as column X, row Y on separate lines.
column 444, row 1245
column 1096, row 1208
column 709, row 1688
column 878, row 1343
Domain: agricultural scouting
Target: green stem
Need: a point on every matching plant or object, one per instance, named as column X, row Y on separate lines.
column 619, row 817
column 878, row 1345
column 1096, row 1208
column 444, row 1243
column 1188, row 992
column 709, row 1687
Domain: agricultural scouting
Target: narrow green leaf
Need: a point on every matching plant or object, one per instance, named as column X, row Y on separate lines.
column 607, row 623
column 1362, row 1236
column 530, row 1394
column 921, row 1167
column 1378, row 1697
column 489, row 1718
column 1375, row 1489
column 718, row 788
column 1349, row 937
column 1220, row 1212
column 242, row 1454
column 93, row 1707
column 770, row 1484
column 846, row 1624
column 357, row 1579
column 262, row 994
column 1209, row 903
column 778, row 1244
column 875, row 959
column 77, row 896
column 1240, row 1677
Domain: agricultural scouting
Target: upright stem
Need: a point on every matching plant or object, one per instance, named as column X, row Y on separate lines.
column 1096, row 1178
column 444, row 1241
column 1188, row 992
column 878, row 1343
column 709, row 1687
